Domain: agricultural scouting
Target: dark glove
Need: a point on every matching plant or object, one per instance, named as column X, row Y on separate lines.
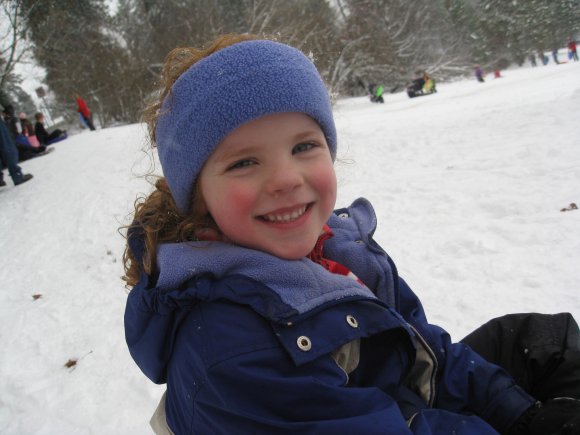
column 560, row 416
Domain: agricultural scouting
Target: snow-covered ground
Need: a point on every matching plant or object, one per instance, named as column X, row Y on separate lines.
column 468, row 185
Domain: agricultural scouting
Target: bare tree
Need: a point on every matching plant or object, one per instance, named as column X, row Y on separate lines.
column 81, row 51
column 151, row 29
column 13, row 45
column 114, row 62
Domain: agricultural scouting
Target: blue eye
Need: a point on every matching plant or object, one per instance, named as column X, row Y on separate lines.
column 241, row 164
column 301, row 147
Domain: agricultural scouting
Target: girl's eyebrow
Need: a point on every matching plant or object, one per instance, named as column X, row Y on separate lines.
column 308, row 134
column 243, row 151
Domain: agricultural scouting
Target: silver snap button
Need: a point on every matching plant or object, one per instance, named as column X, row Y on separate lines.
column 343, row 215
column 352, row 321
column 304, row 343
column 358, row 241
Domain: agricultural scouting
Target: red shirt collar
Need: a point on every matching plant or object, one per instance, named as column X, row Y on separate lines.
column 317, row 253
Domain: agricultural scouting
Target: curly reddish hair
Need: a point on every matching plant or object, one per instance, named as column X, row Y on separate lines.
column 157, row 215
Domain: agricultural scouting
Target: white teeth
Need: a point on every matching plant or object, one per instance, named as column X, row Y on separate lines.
column 286, row 217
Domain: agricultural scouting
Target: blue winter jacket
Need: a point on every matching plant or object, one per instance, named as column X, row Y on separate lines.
column 245, row 342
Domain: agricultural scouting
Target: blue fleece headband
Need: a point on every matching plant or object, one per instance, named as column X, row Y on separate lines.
column 221, row 92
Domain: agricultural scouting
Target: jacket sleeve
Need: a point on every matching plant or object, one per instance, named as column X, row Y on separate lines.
column 462, row 381
column 247, row 384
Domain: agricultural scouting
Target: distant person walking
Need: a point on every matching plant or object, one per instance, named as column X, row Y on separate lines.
column 572, row 53
column 479, row 74
column 555, row 56
column 533, row 59
column 9, row 158
column 84, row 112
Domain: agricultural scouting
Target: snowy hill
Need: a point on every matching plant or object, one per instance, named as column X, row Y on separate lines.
column 467, row 184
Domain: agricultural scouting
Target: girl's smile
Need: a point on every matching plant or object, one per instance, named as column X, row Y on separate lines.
column 270, row 184
column 285, row 216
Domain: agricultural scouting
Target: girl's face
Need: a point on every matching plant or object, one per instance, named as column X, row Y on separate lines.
column 270, row 184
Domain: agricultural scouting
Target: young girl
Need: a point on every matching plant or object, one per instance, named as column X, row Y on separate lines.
column 44, row 137
column 264, row 311
column 28, row 130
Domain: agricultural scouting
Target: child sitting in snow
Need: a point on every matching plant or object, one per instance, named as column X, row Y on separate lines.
column 429, row 86
column 265, row 311
column 422, row 85
column 25, row 149
column 44, row 136
column 377, row 93
column 28, row 130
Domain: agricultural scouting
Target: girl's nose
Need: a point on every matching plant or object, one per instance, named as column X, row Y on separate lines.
column 284, row 178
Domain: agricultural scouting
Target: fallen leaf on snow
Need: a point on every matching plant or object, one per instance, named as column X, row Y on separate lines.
column 70, row 363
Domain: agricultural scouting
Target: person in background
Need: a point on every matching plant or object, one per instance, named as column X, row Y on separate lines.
column 572, row 53
column 543, row 58
column 11, row 122
column 25, row 149
column 377, row 94
column 264, row 310
column 9, row 158
column 44, row 137
column 415, row 88
column 28, row 130
column 479, row 74
column 84, row 112
column 555, row 56
column 429, row 86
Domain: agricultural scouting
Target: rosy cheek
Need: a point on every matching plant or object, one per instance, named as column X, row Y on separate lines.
column 240, row 198
column 233, row 208
column 326, row 180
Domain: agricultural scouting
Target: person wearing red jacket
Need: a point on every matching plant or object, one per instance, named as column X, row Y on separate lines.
column 572, row 53
column 84, row 112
